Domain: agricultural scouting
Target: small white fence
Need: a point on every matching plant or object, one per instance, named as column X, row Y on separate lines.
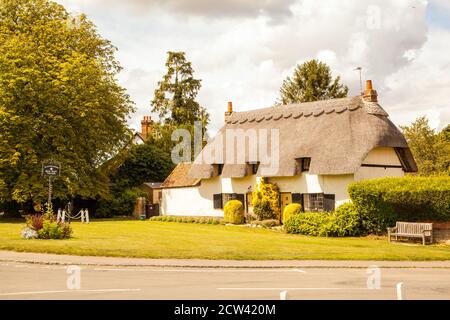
column 83, row 215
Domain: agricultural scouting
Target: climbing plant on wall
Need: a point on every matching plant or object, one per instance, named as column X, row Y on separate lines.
column 266, row 204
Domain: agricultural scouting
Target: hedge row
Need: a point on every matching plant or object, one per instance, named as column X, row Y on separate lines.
column 185, row 219
column 382, row 202
column 345, row 221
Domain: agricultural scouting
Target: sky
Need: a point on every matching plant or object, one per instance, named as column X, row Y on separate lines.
column 244, row 49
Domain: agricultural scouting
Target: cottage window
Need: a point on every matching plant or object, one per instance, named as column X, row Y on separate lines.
column 306, row 162
column 252, row 168
column 314, row 202
column 218, row 202
column 303, row 164
column 319, row 202
column 232, row 196
column 218, row 168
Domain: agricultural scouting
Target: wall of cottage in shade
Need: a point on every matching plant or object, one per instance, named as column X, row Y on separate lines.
column 198, row 200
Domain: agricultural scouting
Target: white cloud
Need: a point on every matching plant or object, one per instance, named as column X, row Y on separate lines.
column 243, row 56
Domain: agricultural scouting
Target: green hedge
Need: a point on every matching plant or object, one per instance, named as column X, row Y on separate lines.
column 345, row 221
column 382, row 202
column 233, row 212
column 187, row 219
column 290, row 210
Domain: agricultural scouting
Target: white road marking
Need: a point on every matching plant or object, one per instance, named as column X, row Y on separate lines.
column 205, row 270
column 290, row 289
column 67, row 291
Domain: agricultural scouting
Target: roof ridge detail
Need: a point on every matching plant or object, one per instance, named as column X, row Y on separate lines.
column 306, row 109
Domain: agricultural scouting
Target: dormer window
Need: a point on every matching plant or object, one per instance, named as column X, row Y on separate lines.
column 218, row 168
column 303, row 164
column 252, row 168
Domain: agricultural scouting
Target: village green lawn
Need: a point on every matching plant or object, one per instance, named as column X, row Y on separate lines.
column 152, row 239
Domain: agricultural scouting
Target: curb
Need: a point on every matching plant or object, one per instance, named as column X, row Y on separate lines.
column 95, row 261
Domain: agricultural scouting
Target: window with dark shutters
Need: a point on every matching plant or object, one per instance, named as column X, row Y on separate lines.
column 218, row 201
column 240, row 197
column 297, row 198
column 225, row 198
column 330, row 202
column 314, row 202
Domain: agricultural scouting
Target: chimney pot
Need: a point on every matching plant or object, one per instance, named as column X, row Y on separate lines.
column 230, row 107
column 229, row 111
column 370, row 95
column 146, row 126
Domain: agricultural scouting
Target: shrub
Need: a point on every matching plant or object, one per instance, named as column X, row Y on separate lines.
column 266, row 203
column 55, row 230
column 262, row 209
column 344, row 222
column 290, row 210
column 382, row 202
column 348, row 221
column 35, row 222
column 308, row 223
column 45, row 226
column 234, row 212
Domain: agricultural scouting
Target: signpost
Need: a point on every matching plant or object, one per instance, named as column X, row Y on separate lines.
column 50, row 169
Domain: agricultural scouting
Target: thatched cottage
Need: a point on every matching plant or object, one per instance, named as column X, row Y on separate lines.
column 319, row 147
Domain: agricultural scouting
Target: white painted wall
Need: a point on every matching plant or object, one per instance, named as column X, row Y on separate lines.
column 311, row 183
column 188, row 202
column 386, row 156
column 198, row 201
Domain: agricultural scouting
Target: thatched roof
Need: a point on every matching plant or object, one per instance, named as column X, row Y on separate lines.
column 336, row 134
column 179, row 177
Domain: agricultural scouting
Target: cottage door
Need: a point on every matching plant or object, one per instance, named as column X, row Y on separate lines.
column 286, row 199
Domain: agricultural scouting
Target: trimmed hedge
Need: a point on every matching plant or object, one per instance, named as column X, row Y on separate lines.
column 343, row 223
column 234, row 212
column 290, row 210
column 382, row 202
column 187, row 219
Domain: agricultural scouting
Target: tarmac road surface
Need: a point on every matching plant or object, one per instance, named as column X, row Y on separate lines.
column 37, row 281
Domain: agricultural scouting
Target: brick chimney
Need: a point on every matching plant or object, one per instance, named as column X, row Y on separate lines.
column 146, row 126
column 229, row 111
column 370, row 95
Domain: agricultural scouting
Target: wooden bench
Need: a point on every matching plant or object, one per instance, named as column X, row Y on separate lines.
column 412, row 230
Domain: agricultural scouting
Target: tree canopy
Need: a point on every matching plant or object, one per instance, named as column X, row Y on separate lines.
column 59, row 99
column 174, row 101
column 311, row 81
column 174, row 98
column 143, row 163
column 430, row 149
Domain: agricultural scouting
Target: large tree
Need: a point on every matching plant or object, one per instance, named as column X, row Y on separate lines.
column 311, row 81
column 431, row 150
column 143, row 163
column 59, row 99
column 174, row 101
column 174, row 98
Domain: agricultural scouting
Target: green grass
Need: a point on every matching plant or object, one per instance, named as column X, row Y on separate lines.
column 152, row 239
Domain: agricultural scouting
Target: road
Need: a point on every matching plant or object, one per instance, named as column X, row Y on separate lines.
column 35, row 281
